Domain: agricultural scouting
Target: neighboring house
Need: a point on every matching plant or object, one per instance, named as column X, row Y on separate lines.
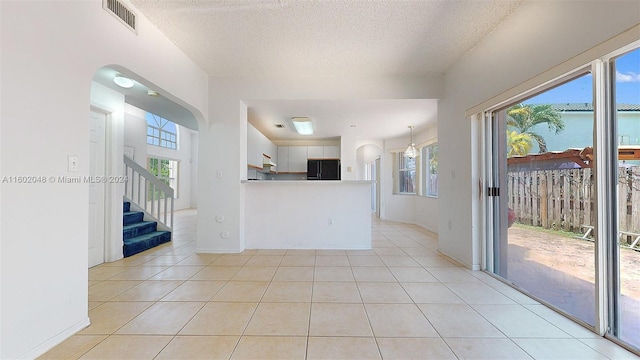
column 578, row 127
column 51, row 51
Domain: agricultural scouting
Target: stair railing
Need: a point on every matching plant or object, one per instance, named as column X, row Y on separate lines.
column 148, row 192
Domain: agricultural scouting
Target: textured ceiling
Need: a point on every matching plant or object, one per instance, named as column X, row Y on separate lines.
column 325, row 38
column 341, row 38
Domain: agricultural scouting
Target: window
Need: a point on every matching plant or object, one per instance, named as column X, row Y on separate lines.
column 161, row 132
column 406, row 174
column 430, row 170
column 165, row 170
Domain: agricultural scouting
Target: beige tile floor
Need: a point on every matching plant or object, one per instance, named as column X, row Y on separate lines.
column 400, row 300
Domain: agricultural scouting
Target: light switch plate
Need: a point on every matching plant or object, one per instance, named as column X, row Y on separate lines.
column 72, row 163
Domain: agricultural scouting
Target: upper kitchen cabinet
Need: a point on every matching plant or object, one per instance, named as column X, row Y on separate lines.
column 298, row 159
column 283, row 159
column 323, row 152
column 257, row 146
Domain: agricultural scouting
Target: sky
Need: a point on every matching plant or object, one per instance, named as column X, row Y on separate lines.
column 580, row 90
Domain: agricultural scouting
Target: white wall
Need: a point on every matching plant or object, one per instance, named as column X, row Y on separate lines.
column 135, row 133
column 48, row 67
column 310, row 215
column 414, row 209
column 538, row 36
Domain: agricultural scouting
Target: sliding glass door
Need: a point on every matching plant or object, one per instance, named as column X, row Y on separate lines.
column 545, row 244
column 563, row 201
column 626, row 300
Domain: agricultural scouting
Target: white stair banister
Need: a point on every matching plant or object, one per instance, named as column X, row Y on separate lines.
column 139, row 182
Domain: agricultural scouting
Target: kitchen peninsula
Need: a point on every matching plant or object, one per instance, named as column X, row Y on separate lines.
column 308, row 214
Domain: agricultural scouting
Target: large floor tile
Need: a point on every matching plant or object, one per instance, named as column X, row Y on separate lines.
column 199, row 259
column 336, row 291
column 165, row 318
column 403, row 260
column 558, row 349
column 458, row 320
column 383, row 293
column 332, row 260
column 339, row 320
column 255, row 273
column 265, row 260
column 346, row 348
column 431, row 293
column 195, row 290
column 73, row 348
column 515, row 321
column 399, row 320
column 609, row 349
column 219, row 318
column 565, row 324
column 103, row 272
column 285, row 319
column 111, row 316
column 242, row 291
column 107, row 290
column 333, row 274
column 486, row 349
column 216, row 273
column 451, row 274
column 178, row 272
column 411, row 274
column 149, row 291
column 288, row 291
column 231, row 260
column 298, row 260
column 125, row 347
column 373, row 273
column 478, row 293
column 139, row 273
column 294, row 273
column 414, row 349
column 270, row 348
column 365, row 260
column 199, row 348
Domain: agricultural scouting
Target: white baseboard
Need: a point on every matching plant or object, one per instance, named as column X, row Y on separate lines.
column 56, row 340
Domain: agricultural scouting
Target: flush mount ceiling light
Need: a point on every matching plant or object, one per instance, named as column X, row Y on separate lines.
column 303, row 125
column 152, row 93
column 123, row 82
column 411, row 151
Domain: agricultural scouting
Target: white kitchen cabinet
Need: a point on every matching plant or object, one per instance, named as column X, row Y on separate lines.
column 298, row 159
column 331, row 152
column 283, row 159
column 254, row 144
column 257, row 145
column 315, row 152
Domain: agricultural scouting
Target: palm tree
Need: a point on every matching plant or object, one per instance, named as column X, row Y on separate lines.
column 525, row 117
column 518, row 144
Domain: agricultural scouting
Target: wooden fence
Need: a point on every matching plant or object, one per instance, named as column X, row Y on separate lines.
column 565, row 199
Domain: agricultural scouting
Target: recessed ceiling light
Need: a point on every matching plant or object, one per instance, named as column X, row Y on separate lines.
column 303, row 125
column 123, row 82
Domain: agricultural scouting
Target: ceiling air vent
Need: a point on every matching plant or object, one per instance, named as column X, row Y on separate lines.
column 280, row 126
column 121, row 12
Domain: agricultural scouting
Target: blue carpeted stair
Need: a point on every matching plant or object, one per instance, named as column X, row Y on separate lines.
column 140, row 235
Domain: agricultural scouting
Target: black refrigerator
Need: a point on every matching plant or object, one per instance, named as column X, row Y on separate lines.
column 323, row 169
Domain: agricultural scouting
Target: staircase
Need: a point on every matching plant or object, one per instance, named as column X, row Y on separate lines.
column 140, row 235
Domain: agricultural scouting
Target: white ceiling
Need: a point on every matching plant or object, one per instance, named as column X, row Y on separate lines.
column 342, row 38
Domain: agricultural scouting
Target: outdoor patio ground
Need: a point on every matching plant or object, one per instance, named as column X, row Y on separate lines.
column 561, row 271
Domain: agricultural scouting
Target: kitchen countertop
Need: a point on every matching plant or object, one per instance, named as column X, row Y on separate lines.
column 307, row 181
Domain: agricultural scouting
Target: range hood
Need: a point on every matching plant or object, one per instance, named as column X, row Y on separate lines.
column 267, row 162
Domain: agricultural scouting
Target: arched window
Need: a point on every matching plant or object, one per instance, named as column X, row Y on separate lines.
column 161, row 132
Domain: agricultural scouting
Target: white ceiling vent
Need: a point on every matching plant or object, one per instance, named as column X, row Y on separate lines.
column 121, row 12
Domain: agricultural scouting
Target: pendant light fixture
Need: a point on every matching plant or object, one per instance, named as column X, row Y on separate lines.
column 411, row 151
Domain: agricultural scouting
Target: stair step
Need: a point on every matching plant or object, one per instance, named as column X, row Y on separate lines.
column 137, row 229
column 132, row 217
column 144, row 242
column 126, row 207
